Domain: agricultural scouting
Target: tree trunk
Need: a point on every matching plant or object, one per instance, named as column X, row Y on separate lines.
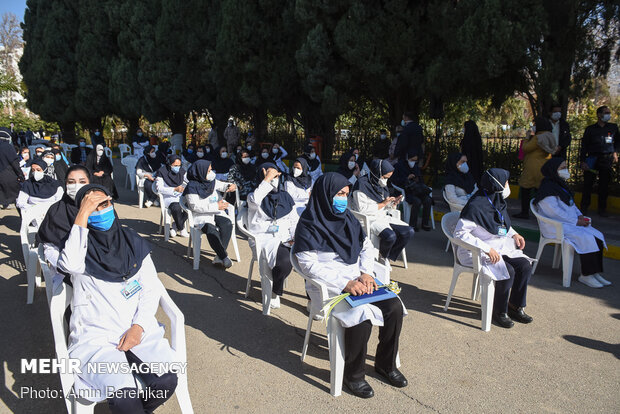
column 132, row 125
column 318, row 125
column 259, row 123
column 178, row 125
column 67, row 129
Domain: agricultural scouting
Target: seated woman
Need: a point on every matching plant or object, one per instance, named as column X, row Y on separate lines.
column 349, row 168
column 371, row 197
column 39, row 188
column 278, row 153
column 56, row 167
column 243, row 174
column 100, row 167
column 202, row 196
column 115, row 296
column 59, row 219
column 408, row 176
column 222, row 164
column 272, row 218
column 460, row 185
column 299, row 184
column 555, row 201
column 200, row 153
column 189, row 155
column 209, row 152
column 146, row 170
column 170, row 183
column 24, row 157
column 485, row 224
column 332, row 248
column 265, row 156
column 314, row 162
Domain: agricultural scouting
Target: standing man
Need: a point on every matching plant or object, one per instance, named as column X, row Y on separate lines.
column 80, row 153
column 560, row 130
column 231, row 135
column 213, row 137
column 381, row 147
column 599, row 151
column 96, row 138
column 30, row 136
column 411, row 138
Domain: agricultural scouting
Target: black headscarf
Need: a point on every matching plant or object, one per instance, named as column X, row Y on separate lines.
column 57, row 223
column 471, row 145
column 304, row 181
column 543, row 124
column 153, row 163
column 247, row 171
column 321, row 228
column 116, row 254
column 313, row 164
column 197, row 177
column 8, row 155
column 221, row 165
column 455, row 177
column 552, row 184
column 46, row 187
column 369, row 185
column 104, row 163
column 165, row 172
column 486, row 205
column 190, row 157
column 209, row 156
column 163, row 150
column 278, row 203
column 344, row 164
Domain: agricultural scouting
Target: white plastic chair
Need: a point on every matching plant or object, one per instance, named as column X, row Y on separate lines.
column 195, row 234
column 335, row 330
column 365, row 221
column 47, row 272
column 61, row 300
column 108, row 152
column 65, row 149
column 124, row 149
column 140, row 188
column 482, row 286
column 407, row 207
column 130, row 162
column 561, row 245
column 165, row 219
column 453, row 207
column 27, row 234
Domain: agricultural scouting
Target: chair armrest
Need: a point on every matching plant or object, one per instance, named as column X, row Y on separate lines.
column 363, row 218
column 400, row 190
column 177, row 325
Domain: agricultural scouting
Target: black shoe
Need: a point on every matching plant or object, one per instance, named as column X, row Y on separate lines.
column 503, row 320
column 524, row 216
column 426, row 227
column 519, row 315
column 360, row 389
column 395, row 377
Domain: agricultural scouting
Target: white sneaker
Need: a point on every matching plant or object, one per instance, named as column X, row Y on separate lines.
column 217, row 260
column 590, row 281
column 275, row 302
column 156, row 203
column 184, row 233
column 602, row 280
column 173, row 232
column 148, row 203
column 227, row 262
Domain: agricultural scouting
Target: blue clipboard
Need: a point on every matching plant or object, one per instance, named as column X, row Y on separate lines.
column 376, row 296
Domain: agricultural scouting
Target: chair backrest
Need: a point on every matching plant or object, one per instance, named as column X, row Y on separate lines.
column 448, row 225
column 108, row 152
column 400, row 190
column 190, row 215
column 364, row 220
column 242, row 221
column 124, row 149
column 453, row 207
column 36, row 212
column 559, row 229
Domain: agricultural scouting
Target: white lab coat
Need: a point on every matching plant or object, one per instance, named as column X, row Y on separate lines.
column 328, row 268
column 300, row 195
column 170, row 196
column 204, row 210
column 478, row 236
column 379, row 219
column 101, row 315
column 458, row 196
column 583, row 239
column 25, row 201
column 259, row 222
column 138, row 148
column 141, row 173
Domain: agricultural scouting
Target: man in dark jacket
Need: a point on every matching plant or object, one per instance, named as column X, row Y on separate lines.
column 96, row 138
column 411, row 138
column 80, row 153
column 560, row 129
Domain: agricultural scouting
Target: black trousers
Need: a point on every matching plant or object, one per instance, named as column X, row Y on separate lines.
column 282, row 269
column 356, row 341
column 149, row 194
column 393, row 240
column 513, row 290
column 592, row 263
column 127, row 401
column 218, row 235
column 525, row 196
column 604, row 178
column 178, row 215
column 426, row 202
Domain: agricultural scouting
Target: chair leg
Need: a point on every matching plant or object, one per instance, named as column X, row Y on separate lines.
column 474, row 286
column 266, row 290
column 487, row 288
column 304, row 349
column 447, row 246
column 189, row 244
column 568, row 256
column 398, row 360
column 30, row 276
column 432, row 218
column 140, row 198
column 336, row 356
column 249, row 285
column 455, row 276
column 182, row 392
column 404, row 257
column 541, row 246
column 197, row 245
column 557, row 255
column 236, row 246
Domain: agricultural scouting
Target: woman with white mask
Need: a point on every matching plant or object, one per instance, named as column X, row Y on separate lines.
column 371, row 196
column 101, row 169
column 39, row 188
column 460, row 184
column 555, row 200
column 299, row 184
column 314, row 162
column 170, row 183
column 485, row 223
column 243, row 174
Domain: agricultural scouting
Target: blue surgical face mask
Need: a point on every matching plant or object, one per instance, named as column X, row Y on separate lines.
column 340, row 204
column 102, row 220
column 82, row 144
column 189, row 150
column 176, row 169
column 57, row 157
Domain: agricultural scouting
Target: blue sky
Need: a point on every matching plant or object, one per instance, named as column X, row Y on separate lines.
column 14, row 6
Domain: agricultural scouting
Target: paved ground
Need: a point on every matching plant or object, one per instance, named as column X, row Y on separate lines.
column 568, row 360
